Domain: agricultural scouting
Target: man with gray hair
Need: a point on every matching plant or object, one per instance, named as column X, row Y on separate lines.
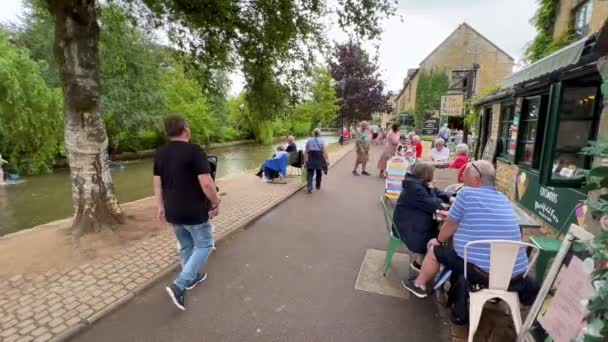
column 479, row 213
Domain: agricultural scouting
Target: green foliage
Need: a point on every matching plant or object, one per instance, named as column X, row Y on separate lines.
column 37, row 35
column 471, row 112
column 130, row 76
column 597, row 306
column 30, row 112
column 240, row 119
column 324, row 99
column 544, row 21
column 143, row 81
column 432, row 84
column 183, row 96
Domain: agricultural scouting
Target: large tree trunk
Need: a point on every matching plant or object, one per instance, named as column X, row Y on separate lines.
column 86, row 141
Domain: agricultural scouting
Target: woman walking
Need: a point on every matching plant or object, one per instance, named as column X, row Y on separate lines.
column 392, row 140
column 316, row 160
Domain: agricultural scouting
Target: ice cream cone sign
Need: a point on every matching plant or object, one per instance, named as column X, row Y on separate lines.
column 522, row 185
column 581, row 214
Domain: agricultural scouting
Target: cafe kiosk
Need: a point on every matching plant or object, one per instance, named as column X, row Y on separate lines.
column 559, row 310
column 537, row 125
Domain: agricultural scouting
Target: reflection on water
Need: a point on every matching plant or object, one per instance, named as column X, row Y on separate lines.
column 47, row 198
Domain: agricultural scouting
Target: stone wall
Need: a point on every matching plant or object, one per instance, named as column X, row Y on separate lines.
column 407, row 100
column 566, row 13
column 465, row 47
column 505, row 178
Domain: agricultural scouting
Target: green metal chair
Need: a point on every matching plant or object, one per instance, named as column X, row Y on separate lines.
column 394, row 241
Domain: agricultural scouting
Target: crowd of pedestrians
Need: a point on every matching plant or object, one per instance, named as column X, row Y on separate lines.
column 433, row 224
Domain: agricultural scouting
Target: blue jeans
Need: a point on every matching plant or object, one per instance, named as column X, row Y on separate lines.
column 195, row 244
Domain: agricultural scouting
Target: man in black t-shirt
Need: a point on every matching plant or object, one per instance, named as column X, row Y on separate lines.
column 186, row 197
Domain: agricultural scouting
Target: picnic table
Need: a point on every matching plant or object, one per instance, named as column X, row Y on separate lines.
column 441, row 164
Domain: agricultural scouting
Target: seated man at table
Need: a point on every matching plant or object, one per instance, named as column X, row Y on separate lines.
column 440, row 152
column 479, row 213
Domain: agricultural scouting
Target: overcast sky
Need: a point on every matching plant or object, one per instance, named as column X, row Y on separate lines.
column 424, row 25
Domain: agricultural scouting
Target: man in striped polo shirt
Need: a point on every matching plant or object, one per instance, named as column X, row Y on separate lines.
column 479, row 213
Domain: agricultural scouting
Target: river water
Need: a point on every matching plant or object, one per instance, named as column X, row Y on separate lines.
column 41, row 199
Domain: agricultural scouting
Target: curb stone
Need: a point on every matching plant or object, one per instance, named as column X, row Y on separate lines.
column 79, row 328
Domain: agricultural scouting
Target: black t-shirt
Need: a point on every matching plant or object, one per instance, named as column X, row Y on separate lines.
column 291, row 148
column 179, row 164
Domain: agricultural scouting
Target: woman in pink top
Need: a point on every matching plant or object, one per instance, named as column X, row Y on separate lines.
column 393, row 138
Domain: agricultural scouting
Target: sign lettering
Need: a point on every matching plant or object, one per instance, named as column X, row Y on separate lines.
column 557, row 207
column 452, row 105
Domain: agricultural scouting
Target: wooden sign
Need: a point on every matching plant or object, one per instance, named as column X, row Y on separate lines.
column 559, row 310
column 489, row 151
column 452, row 105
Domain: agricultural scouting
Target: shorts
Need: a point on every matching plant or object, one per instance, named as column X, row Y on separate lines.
column 374, row 136
column 446, row 255
column 362, row 156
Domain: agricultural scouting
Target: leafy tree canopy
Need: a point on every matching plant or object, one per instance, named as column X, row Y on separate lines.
column 30, row 112
column 358, row 83
column 432, row 84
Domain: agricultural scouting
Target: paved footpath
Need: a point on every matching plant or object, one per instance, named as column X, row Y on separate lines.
column 59, row 303
column 289, row 276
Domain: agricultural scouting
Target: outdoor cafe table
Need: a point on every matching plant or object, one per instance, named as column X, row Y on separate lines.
column 524, row 220
column 442, row 164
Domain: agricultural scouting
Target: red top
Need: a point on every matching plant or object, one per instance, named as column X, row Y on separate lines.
column 345, row 133
column 459, row 163
column 418, row 147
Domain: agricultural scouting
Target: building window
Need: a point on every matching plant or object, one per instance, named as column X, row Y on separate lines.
column 530, row 126
column 507, row 128
column 582, row 18
column 577, row 125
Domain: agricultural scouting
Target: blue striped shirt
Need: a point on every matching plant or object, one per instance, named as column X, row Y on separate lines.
column 485, row 214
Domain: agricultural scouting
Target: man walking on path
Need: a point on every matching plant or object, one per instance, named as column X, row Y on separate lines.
column 362, row 148
column 186, row 197
column 444, row 133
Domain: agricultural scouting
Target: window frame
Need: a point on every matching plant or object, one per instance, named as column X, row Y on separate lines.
column 540, row 130
column 584, row 31
column 503, row 153
column 553, row 124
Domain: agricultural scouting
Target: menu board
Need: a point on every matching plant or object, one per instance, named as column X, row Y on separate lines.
column 559, row 311
column 430, row 127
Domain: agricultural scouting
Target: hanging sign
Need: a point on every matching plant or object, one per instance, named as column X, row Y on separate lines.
column 452, row 105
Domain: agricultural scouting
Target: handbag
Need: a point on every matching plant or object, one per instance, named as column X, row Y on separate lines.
column 324, row 166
